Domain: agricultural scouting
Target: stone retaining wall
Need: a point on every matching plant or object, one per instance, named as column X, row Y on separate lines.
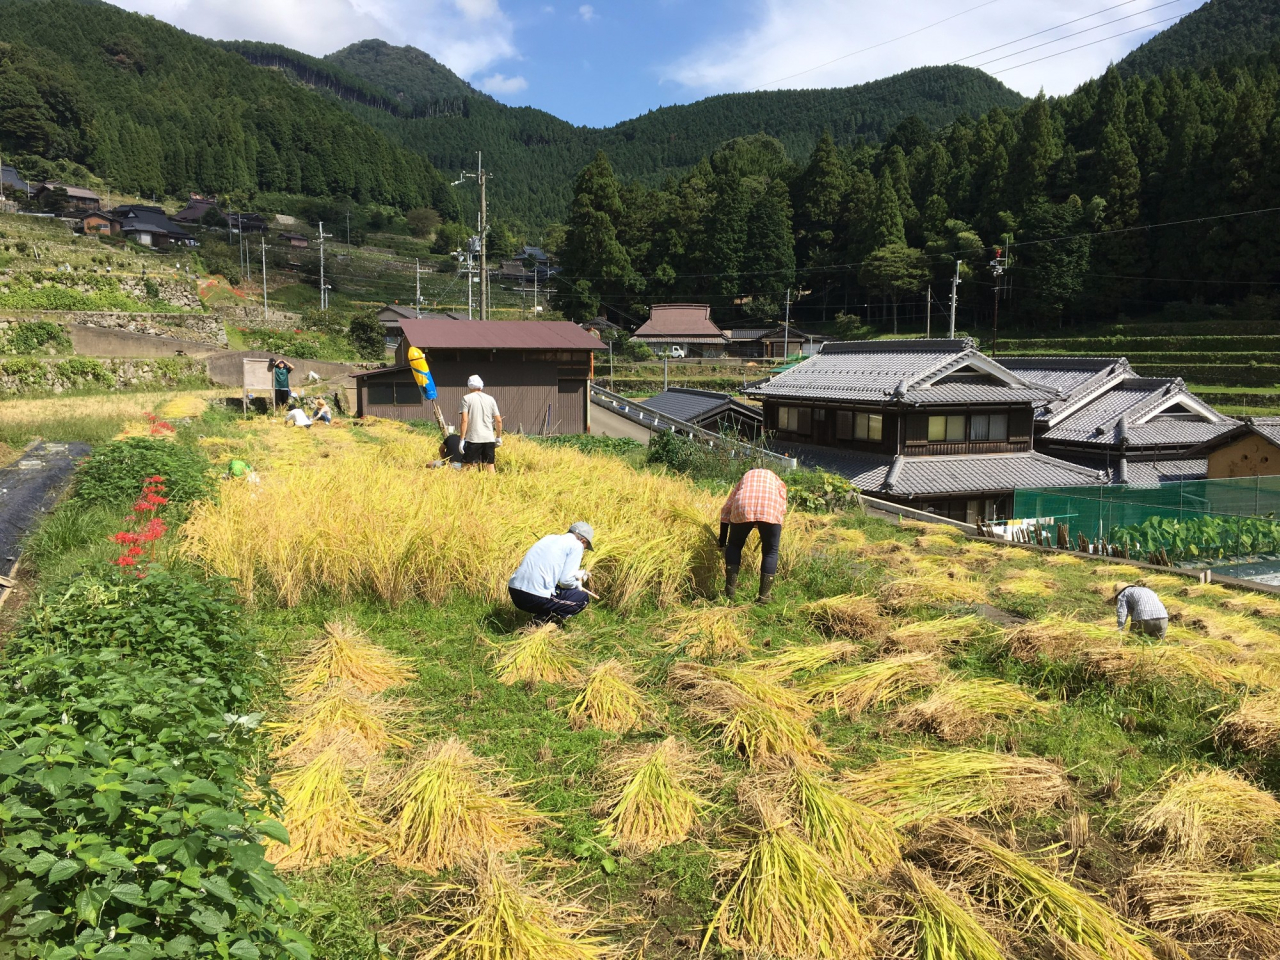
column 28, row 374
column 201, row 327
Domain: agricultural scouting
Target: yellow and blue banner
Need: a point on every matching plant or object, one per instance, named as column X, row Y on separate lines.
column 422, row 373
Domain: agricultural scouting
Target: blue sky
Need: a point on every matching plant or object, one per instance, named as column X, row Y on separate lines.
column 603, row 62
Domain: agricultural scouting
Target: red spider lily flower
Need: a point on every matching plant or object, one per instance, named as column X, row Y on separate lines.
column 125, row 561
column 156, row 479
column 125, row 537
column 154, row 500
column 134, row 552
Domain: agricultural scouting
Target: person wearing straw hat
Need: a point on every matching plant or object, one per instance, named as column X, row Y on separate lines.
column 758, row 502
column 549, row 581
column 1142, row 608
column 481, row 430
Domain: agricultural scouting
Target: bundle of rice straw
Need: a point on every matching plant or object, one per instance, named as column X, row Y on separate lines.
column 1229, row 912
column 537, row 655
column 1163, row 581
column 957, row 710
column 346, row 653
column 1117, row 571
column 933, row 589
column 609, row 701
column 859, row 841
column 493, row 914
column 1056, row 637
column 757, row 718
column 448, row 805
column 1210, row 815
column 339, row 714
column 964, row 783
column 1227, row 626
column 937, row 543
column 786, row 664
column 705, row 631
column 932, row 529
column 935, row 636
column 938, row 924
column 894, row 554
column 979, row 555
column 1028, row 582
column 1172, row 664
column 1254, row 725
column 788, row 901
column 1206, row 646
column 1041, row 903
column 846, row 615
column 1063, row 560
column 855, row 689
column 654, row 796
column 1256, row 604
column 321, row 815
column 845, row 538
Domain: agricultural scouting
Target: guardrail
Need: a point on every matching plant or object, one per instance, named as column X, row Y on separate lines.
column 657, row 420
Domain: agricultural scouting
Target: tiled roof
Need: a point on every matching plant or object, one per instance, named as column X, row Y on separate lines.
column 900, row 370
column 1269, row 427
column 1130, row 412
column 693, row 405
column 1074, row 378
column 681, row 323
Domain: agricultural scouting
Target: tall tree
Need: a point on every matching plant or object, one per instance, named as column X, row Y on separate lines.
column 820, row 194
column 597, row 271
column 895, row 272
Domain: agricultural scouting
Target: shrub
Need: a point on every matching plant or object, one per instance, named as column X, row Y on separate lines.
column 35, row 336
column 78, row 369
column 589, row 443
column 695, row 459
column 113, row 473
column 816, row 491
column 28, row 373
column 367, row 335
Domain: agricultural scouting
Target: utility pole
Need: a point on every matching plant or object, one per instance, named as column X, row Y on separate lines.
column 997, row 269
column 484, row 241
column 348, row 228
column 324, row 295
column 786, row 327
column 928, row 312
column 264, row 278
column 535, row 316
column 955, row 289
column 417, row 287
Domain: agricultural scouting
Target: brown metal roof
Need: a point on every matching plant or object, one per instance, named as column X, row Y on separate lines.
column 432, row 333
column 680, row 320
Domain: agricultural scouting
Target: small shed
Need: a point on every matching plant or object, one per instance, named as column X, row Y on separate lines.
column 296, row 240
column 537, row 371
column 717, row 412
column 684, row 325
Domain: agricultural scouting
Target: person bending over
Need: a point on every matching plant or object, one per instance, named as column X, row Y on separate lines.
column 1143, row 608
column 548, row 582
column 757, row 502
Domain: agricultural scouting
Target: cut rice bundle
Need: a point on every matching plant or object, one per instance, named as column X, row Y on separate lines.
column 1226, row 910
column 933, row 589
column 1117, row 571
column 845, row 538
column 1235, row 627
column 1032, row 896
column 346, row 653
column 1056, row 637
column 1205, row 646
column 963, row 783
column 847, row 615
column 338, row 714
column 937, row 543
column 1163, row 581
column 979, row 555
column 1212, row 815
column 859, row 841
column 1063, row 560
column 495, row 915
column 609, row 701
column 932, row 529
column 939, row 924
column 321, row 815
column 655, row 796
column 537, row 655
column 1255, row 604
column 856, row 689
column 708, row 632
column 1172, row 664
column 894, row 554
column 935, row 636
column 784, row 665
column 958, row 710
column 1029, row 582
column 450, row 805
column 1254, row 725
column 1213, row 591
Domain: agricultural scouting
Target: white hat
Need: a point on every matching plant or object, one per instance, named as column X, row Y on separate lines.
column 474, row 383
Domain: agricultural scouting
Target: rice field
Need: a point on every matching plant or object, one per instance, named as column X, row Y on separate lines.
column 873, row 766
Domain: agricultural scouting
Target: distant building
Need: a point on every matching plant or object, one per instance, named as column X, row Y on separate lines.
column 247, row 222
column 601, row 327
column 150, row 227
column 1249, row 449
column 14, row 185
column 94, row 222
column 195, row 210
column 717, row 412
column 295, row 240
column 782, row 343
column 78, row 198
column 684, row 325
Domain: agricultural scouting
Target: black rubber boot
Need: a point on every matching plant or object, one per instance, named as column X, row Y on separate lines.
column 730, row 581
column 766, row 588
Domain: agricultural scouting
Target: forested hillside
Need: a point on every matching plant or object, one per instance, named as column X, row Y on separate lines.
column 152, row 109
column 1219, row 30
column 414, row 78
column 1128, row 197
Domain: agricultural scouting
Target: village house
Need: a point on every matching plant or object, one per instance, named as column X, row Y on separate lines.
column 537, row 371
column 1251, row 448
column 78, row 198
column 686, row 326
column 295, row 240
column 705, row 409
column 195, row 210
column 14, row 185
column 150, row 227
column 97, row 223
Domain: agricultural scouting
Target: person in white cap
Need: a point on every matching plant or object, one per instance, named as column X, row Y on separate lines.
column 548, row 583
column 481, row 425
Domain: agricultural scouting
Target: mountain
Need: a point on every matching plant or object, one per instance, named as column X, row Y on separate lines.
column 412, row 76
column 1219, row 30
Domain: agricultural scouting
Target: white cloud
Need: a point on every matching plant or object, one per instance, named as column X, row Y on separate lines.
column 500, row 83
column 587, row 12
column 792, row 43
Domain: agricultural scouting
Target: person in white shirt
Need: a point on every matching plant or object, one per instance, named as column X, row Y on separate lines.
column 481, row 425
column 297, row 417
column 548, row 582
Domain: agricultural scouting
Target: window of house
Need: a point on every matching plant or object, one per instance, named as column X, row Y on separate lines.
column 844, row 424
column 408, row 395
column 989, row 426
column 794, row 419
column 946, row 429
column 381, row 394
column 820, row 414
column 868, row 426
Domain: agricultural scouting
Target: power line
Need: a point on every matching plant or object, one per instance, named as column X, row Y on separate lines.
column 1029, row 36
column 1124, row 33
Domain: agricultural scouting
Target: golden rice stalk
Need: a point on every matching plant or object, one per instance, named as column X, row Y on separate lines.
column 1254, row 725
column 1211, row 815
column 1029, row 582
column 537, row 655
column 1207, row 646
column 1227, row 626
column 1107, row 588
column 892, row 553
column 855, row 689
column 1063, row 560
column 804, row 659
column 1227, row 910
column 935, row 636
column 937, row 543
column 980, row 555
column 964, row 783
column 708, row 632
column 449, row 805
column 932, row 529
column 939, row 924
column 1057, row 638
column 1256, row 604
column 859, row 841
column 787, row 901
column 496, row 915
column 1162, row 581
column 338, row 713
column 321, row 814
column 957, row 710
column 846, row 615
column 346, row 653
column 933, row 590
column 1032, row 896
column 845, row 538
column 654, row 796
column 1117, row 571
column 609, row 701
column 183, row 406
column 1172, row 664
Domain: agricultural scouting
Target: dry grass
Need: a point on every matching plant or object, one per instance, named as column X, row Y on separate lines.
column 654, row 796
column 1063, row 560
column 940, row 924
column 537, row 655
column 339, row 715
column 804, row 659
column 858, row 841
column 855, row 689
column 963, row 783
column 1057, row 638
column 933, row 589
column 846, row 615
column 1028, row 582
column 344, row 653
column 959, row 710
column 932, row 529
column 1212, row 815
column 1170, row 663
column 321, row 814
column 1254, row 725
column 707, row 631
column 935, row 636
column 610, row 701
column 1117, row 571
column 1224, row 911
column 448, row 805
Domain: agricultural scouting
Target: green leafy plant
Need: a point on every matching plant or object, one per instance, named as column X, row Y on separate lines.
column 816, row 491
column 85, row 369
column 113, row 473
column 35, row 337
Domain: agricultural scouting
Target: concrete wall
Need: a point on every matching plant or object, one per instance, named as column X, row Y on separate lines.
column 105, row 342
column 228, row 368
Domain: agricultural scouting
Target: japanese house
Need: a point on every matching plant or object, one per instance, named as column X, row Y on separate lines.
column 1251, row 448
column 295, row 240
column 196, row 209
column 96, row 223
column 684, row 325
column 537, row 371
column 150, row 227
column 78, row 198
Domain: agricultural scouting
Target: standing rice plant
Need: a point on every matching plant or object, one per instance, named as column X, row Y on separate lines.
column 537, row 655
column 929, row 784
column 1056, row 637
column 655, row 795
column 859, row 841
column 1031, row 896
column 848, row 615
column 338, row 714
column 933, row 589
column 958, row 710
column 321, row 814
column 804, row 659
column 609, row 701
column 708, row 631
column 1210, row 815
column 935, row 636
column 494, row 914
column 1253, row 726
column 855, row 689
column 938, row 924
column 447, row 805
column 1226, row 911
column 345, row 653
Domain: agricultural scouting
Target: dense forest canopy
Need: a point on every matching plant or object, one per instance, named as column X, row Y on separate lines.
column 1212, row 33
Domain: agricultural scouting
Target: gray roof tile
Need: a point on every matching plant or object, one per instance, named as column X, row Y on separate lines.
column 692, row 405
column 1130, row 401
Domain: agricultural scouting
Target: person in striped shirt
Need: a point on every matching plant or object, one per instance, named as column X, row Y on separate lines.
column 757, row 502
column 1143, row 608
